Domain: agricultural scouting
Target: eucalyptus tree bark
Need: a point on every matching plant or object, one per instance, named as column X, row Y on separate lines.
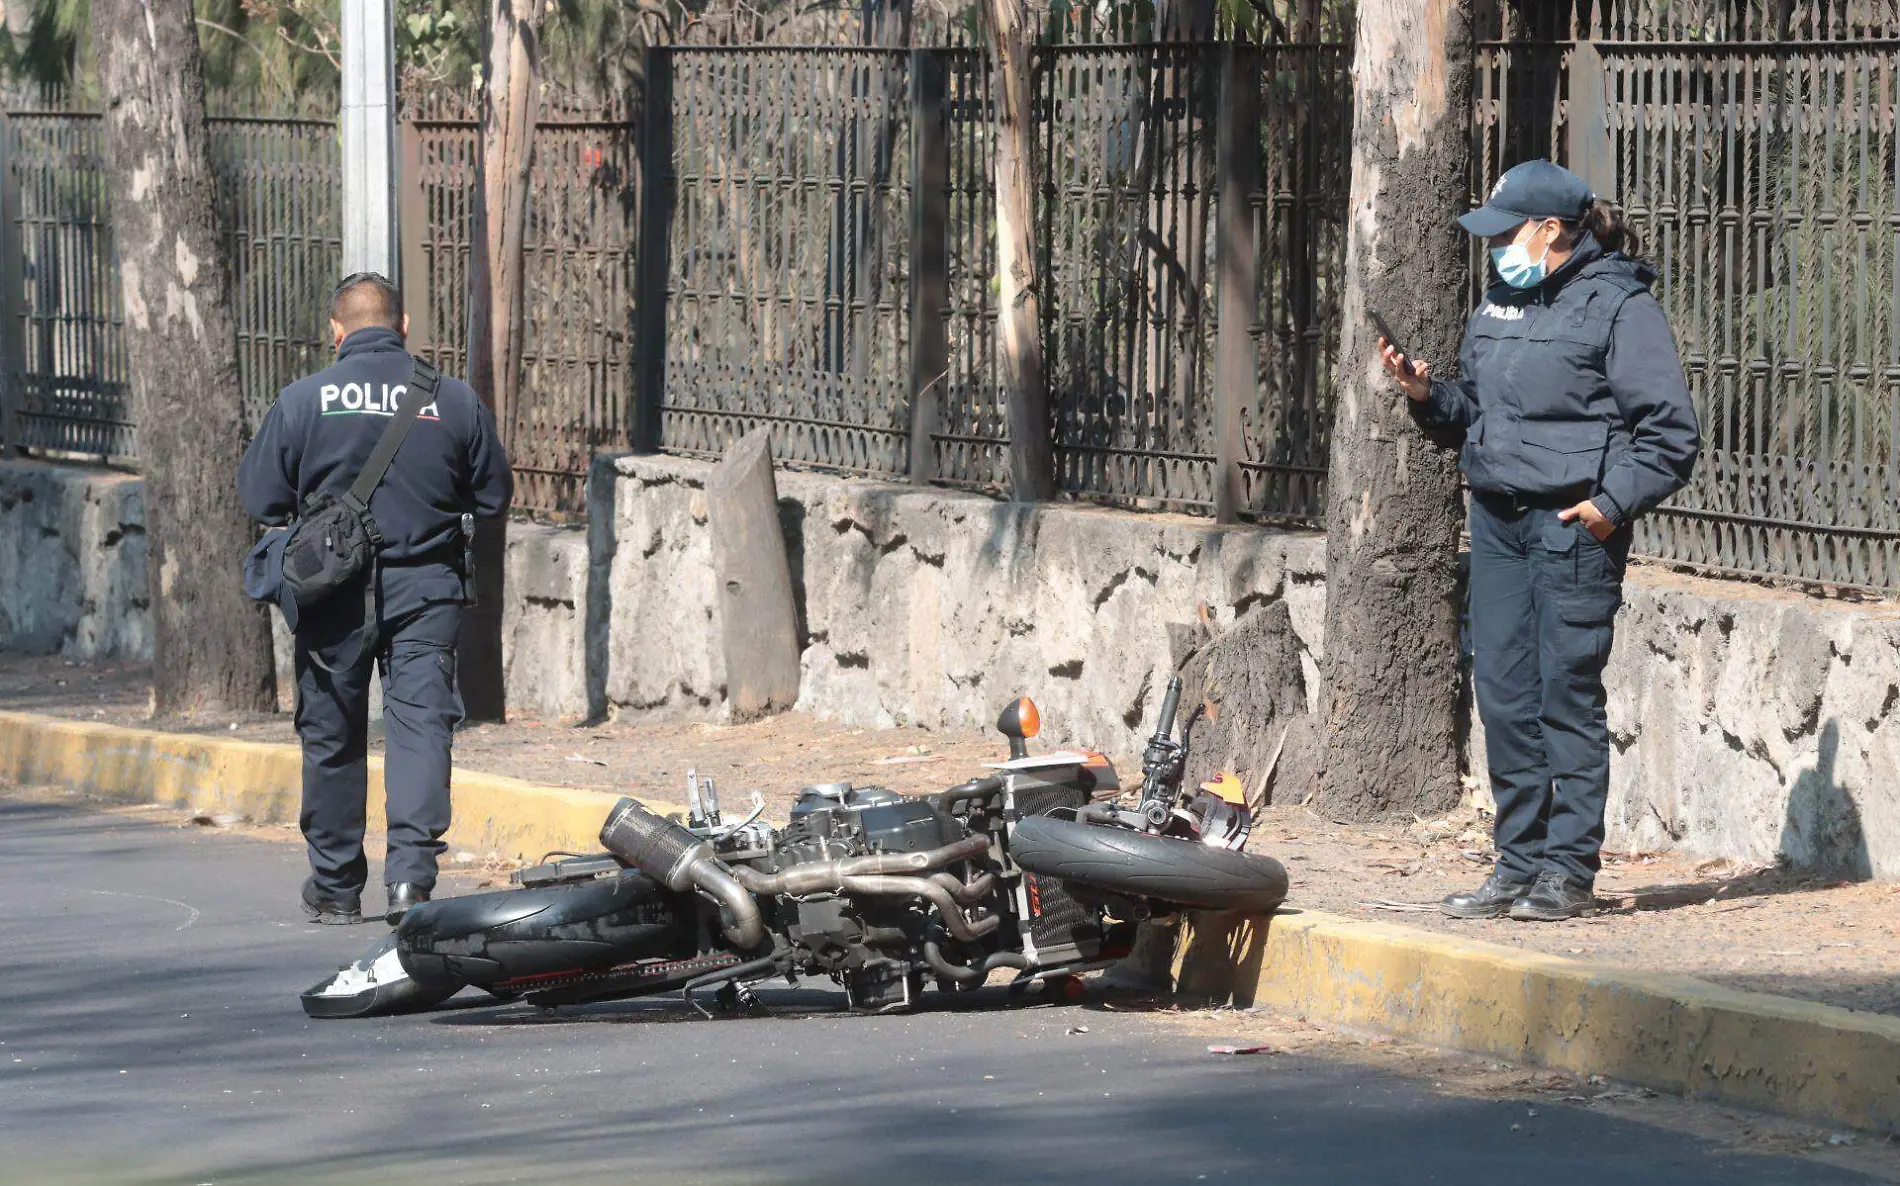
column 497, row 307
column 1019, row 361
column 1390, row 676
column 510, row 106
column 211, row 646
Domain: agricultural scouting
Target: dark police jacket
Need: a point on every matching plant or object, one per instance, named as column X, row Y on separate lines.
column 320, row 432
column 1571, row 390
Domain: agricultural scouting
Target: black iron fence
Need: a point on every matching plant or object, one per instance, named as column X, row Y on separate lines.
column 786, row 205
column 802, row 238
column 828, row 268
column 277, row 194
column 577, row 364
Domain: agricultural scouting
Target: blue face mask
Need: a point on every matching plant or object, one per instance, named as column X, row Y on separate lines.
column 1516, row 267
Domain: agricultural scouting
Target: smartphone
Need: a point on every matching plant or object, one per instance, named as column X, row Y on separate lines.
column 1385, row 331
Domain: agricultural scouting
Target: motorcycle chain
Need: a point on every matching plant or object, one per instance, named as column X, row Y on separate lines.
column 618, row 976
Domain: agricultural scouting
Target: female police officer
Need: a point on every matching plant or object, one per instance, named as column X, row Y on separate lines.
column 1573, row 419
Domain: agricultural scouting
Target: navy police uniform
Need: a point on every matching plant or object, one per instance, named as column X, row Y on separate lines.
column 317, row 437
column 1570, row 390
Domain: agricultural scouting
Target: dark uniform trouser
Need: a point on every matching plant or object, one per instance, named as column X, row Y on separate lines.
column 421, row 708
column 1543, row 597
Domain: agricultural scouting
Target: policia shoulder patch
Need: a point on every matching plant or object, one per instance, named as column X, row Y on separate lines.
column 335, row 544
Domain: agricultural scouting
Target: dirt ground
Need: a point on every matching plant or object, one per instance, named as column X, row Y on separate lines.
column 1747, row 926
column 1753, row 927
column 775, row 757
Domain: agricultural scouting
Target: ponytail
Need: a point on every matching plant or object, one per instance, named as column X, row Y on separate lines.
column 1606, row 221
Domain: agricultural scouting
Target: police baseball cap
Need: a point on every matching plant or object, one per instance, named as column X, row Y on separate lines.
column 1532, row 190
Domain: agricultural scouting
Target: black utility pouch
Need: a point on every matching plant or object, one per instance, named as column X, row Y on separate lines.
column 331, row 549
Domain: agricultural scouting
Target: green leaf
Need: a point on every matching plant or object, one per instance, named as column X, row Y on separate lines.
column 1242, row 14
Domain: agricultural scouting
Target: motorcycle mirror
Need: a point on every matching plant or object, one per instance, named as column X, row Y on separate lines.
column 1019, row 722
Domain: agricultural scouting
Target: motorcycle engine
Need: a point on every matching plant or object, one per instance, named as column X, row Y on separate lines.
column 833, row 820
column 866, row 944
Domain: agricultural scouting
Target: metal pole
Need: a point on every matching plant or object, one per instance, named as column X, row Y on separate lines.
column 929, row 246
column 12, row 293
column 1589, row 119
column 368, row 138
column 651, row 264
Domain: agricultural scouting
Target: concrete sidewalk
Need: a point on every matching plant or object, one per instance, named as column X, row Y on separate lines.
column 1671, row 1033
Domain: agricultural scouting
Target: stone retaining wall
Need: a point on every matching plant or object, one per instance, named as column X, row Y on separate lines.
column 72, row 562
column 1748, row 722
column 930, row 607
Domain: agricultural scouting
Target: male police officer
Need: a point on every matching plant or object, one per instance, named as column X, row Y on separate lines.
column 317, row 438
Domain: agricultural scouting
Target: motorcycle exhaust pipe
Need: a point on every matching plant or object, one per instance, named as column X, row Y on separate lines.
column 930, row 891
column 968, row 894
column 971, row 973
column 871, row 885
column 679, row 860
column 819, row 877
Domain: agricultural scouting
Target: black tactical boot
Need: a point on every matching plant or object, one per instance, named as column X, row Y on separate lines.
column 1491, row 900
column 325, row 907
column 403, row 896
column 1553, row 899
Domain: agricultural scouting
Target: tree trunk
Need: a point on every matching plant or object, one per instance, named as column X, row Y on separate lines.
column 211, row 646
column 1019, row 309
column 510, row 107
column 497, row 307
column 1390, row 677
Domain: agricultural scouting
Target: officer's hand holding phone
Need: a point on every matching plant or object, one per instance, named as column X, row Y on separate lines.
column 1414, row 378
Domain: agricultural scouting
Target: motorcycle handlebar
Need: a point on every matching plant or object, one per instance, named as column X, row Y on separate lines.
column 1170, row 704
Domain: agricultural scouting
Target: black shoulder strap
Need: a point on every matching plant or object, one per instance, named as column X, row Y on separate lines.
column 423, row 380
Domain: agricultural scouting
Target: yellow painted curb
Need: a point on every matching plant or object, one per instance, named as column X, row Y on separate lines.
column 1670, row 1033
column 262, row 781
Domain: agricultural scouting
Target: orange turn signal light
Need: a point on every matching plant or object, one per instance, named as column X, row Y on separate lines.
column 1020, row 720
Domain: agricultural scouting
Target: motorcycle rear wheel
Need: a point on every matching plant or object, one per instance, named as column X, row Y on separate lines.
column 1181, row 872
column 505, row 941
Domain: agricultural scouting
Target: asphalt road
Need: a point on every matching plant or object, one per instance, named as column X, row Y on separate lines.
column 150, row 1031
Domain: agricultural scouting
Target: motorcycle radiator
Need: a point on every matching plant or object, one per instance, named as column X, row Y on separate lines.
column 1057, row 928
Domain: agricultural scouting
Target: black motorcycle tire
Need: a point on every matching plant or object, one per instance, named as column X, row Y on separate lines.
column 1181, row 872
column 496, row 941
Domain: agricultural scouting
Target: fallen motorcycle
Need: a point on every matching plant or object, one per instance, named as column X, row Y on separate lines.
column 1034, row 868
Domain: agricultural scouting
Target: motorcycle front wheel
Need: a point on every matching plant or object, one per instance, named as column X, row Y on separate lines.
column 1181, row 872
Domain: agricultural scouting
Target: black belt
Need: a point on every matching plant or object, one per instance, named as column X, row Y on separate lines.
column 449, row 555
column 1519, row 503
